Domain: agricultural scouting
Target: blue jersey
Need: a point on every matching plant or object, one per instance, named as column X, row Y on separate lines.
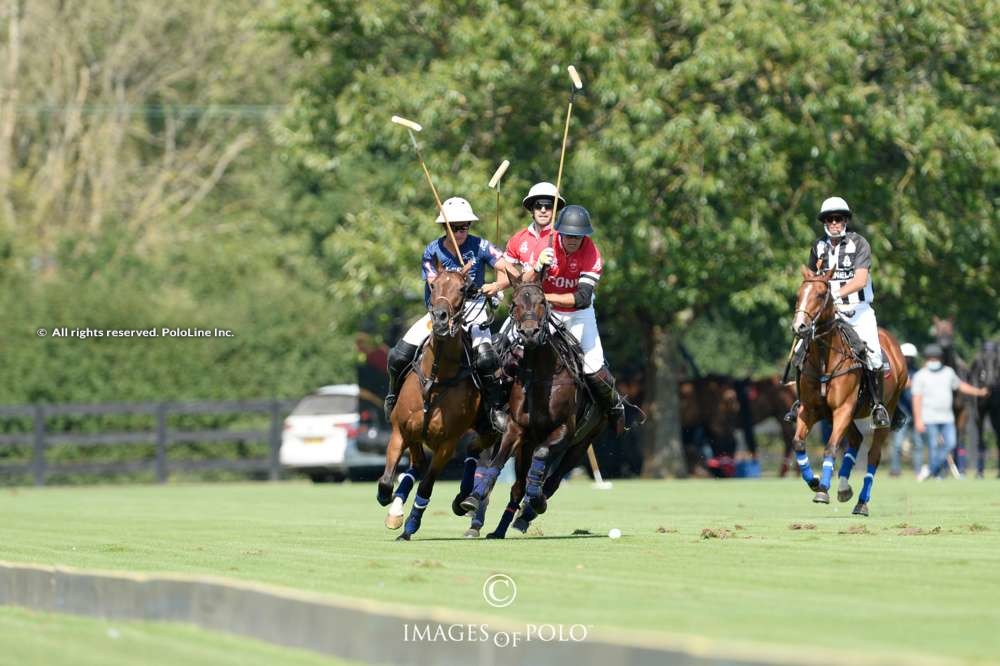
column 478, row 250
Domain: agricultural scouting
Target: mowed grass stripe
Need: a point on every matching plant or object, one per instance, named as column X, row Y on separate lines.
column 31, row 638
column 878, row 591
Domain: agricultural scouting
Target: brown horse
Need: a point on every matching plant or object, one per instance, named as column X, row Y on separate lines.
column 437, row 404
column 542, row 428
column 986, row 372
column 830, row 387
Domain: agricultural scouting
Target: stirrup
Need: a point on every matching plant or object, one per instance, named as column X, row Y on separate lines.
column 792, row 414
column 880, row 417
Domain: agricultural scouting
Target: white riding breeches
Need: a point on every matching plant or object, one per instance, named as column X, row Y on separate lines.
column 474, row 324
column 864, row 324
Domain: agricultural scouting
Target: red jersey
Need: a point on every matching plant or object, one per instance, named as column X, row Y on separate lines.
column 568, row 270
column 524, row 246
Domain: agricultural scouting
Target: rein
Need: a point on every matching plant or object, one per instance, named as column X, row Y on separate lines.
column 818, row 330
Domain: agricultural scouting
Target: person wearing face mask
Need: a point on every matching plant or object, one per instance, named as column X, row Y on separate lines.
column 933, row 393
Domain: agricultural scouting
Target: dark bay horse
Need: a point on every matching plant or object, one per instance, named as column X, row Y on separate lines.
column 542, row 431
column 831, row 387
column 985, row 371
column 438, row 403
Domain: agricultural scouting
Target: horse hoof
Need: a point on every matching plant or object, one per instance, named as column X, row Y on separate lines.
column 471, row 533
column 393, row 522
column 814, row 484
column 456, row 506
column 822, row 497
column 845, row 494
column 521, row 525
column 405, row 536
column 861, row 509
column 494, row 535
column 539, row 504
column 384, row 494
column 469, row 504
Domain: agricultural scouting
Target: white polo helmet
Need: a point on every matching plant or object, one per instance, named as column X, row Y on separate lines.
column 909, row 349
column 458, row 210
column 539, row 191
column 834, row 206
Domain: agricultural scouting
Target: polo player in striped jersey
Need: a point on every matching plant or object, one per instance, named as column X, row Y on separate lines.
column 849, row 255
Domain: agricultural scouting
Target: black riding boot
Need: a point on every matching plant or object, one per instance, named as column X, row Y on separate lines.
column 602, row 386
column 880, row 415
column 400, row 358
column 494, row 392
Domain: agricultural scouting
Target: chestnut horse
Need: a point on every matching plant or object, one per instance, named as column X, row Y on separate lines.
column 542, row 431
column 438, row 403
column 831, row 387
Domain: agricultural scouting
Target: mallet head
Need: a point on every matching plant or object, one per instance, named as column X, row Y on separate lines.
column 498, row 174
column 577, row 82
column 409, row 124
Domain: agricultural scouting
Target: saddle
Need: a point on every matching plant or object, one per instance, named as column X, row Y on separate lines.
column 858, row 347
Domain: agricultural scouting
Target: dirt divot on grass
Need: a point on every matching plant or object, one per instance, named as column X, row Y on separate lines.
column 721, row 533
column 664, row 530
column 802, row 526
column 916, row 531
column 855, row 529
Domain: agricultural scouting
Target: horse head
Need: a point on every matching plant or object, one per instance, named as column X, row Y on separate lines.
column 530, row 311
column 814, row 302
column 448, row 291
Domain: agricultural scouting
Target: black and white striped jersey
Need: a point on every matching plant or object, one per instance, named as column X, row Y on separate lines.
column 851, row 253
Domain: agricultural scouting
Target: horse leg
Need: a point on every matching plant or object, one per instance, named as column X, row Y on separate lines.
column 803, row 425
column 478, row 520
column 874, row 456
column 841, row 420
column 539, row 465
column 854, row 438
column 980, row 443
column 474, row 450
column 418, row 463
column 486, row 475
column 516, row 494
column 393, row 452
column 441, row 457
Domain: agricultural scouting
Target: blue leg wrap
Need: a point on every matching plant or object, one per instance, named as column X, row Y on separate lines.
column 528, row 513
column 406, row 485
column 416, row 514
column 480, row 518
column 847, row 464
column 803, row 460
column 468, row 476
column 535, row 477
column 485, row 478
column 827, row 475
column 866, row 489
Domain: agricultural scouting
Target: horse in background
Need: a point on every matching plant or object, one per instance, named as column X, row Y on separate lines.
column 985, row 371
column 438, row 403
column 714, row 407
column 831, row 386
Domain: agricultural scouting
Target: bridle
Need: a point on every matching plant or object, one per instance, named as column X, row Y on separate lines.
column 813, row 318
column 455, row 314
column 531, row 316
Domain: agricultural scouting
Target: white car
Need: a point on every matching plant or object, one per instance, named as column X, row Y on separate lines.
column 334, row 433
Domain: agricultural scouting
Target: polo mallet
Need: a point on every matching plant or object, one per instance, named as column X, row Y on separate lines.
column 599, row 482
column 412, row 127
column 495, row 185
column 576, row 87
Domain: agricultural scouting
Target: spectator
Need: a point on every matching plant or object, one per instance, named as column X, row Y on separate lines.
column 933, row 388
column 906, row 404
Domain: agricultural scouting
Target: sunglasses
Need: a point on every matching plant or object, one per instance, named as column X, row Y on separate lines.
column 543, row 205
column 459, row 227
column 836, row 218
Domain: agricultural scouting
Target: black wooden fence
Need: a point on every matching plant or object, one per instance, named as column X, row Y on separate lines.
column 161, row 436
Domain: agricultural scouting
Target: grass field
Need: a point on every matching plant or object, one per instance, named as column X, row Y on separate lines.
column 751, row 561
column 43, row 639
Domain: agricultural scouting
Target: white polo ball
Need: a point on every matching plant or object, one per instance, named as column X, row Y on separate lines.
column 614, row 533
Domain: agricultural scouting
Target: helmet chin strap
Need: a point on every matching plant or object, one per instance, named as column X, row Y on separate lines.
column 829, row 234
